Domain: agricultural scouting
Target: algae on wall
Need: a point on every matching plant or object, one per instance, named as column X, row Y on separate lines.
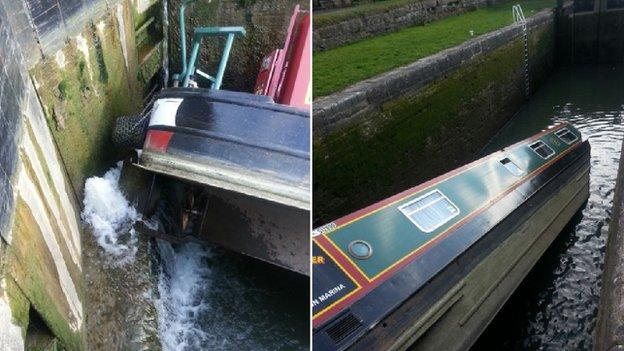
column 83, row 89
column 266, row 23
column 41, row 264
column 422, row 135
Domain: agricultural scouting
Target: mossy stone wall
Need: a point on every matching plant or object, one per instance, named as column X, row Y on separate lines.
column 62, row 95
column 84, row 88
column 386, row 20
column 419, row 135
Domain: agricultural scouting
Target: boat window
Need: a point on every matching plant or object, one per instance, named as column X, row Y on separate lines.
column 360, row 249
column 511, row 167
column 430, row 211
column 543, row 150
column 567, row 136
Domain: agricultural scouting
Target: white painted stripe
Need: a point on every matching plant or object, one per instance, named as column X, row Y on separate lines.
column 164, row 112
column 26, row 190
column 31, row 154
column 43, row 138
column 121, row 26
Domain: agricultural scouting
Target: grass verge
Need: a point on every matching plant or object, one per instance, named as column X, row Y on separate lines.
column 341, row 67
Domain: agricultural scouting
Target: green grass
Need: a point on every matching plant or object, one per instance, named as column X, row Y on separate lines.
column 335, row 16
column 343, row 66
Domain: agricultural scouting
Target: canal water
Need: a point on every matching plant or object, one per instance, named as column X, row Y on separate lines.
column 206, row 298
column 555, row 307
column 214, row 300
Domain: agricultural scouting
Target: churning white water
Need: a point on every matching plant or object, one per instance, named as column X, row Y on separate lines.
column 208, row 298
column 182, row 286
column 110, row 216
column 213, row 300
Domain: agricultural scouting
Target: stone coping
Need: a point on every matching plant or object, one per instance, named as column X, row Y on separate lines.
column 332, row 111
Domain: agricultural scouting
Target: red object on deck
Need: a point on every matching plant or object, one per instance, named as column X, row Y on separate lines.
column 285, row 73
column 158, row 140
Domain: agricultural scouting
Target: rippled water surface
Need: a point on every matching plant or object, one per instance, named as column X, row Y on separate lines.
column 555, row 307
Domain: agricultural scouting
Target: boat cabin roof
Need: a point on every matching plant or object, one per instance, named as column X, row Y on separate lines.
column 356, row 253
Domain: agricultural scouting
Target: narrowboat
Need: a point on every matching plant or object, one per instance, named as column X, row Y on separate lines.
column 240, row 162
column 428, row 268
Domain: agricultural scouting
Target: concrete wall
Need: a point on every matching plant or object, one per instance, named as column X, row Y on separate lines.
column 608, row 334
column 396, row 130
column 414, row 13
column 265, row 21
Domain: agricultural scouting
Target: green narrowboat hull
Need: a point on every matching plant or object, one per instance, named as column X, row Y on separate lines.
column 430, row 267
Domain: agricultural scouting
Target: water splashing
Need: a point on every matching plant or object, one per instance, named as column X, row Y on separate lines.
column 208, row 298
column 182, row 286
column 110, row 216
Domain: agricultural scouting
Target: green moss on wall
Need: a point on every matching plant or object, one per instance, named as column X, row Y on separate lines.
column 149, row 68
column 153, row 11
column 20, row 306
column 82, row 99
column 31, row 265
column 419, row 136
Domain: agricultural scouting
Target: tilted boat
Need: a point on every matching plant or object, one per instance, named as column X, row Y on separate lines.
column 428, row 268
column 243, row 159
column 245, row 163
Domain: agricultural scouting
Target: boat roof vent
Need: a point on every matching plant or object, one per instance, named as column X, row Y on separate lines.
column 544, row 151
column 343, row 328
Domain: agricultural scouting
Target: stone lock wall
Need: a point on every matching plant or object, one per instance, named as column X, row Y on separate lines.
column 358, row 27
column 394, row 131
column 68, row 68
column 40, row 258
column 331, row 4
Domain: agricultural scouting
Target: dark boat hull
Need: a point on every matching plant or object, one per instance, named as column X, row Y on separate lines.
column 265, row 230
column 246, row 162
column 490, row 272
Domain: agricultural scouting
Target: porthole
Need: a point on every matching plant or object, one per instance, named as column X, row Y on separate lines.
column 360, row 249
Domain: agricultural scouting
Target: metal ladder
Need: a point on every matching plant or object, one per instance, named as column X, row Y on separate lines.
column 518, row 17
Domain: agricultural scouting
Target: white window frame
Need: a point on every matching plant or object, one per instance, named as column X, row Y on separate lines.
column 564, row 131
column 408, row 214
column 548, row 146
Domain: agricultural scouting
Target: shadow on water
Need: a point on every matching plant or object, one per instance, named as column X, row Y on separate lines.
column 556, row 305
